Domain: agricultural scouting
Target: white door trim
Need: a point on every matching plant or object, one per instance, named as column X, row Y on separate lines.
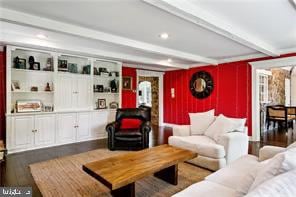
column 148, row 73
column 264, row 64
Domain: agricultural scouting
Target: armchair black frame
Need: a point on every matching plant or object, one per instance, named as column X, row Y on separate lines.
column 129, row 139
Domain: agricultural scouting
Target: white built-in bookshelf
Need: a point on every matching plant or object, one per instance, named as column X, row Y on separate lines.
column 57, row 98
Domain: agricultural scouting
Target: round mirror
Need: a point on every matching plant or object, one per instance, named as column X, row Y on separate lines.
column 201, row 84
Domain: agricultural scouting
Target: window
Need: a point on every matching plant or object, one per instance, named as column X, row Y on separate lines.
column 145, row 93
column 263, row 88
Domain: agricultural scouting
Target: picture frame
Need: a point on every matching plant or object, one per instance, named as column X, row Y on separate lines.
column 102, row 104
column 15, row 85
column 23, row 106
column 72, row 68
column 20, row 63
column 36, row 66
column 63, row 65
column 127, row 83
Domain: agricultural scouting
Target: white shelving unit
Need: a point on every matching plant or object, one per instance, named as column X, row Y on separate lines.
column 75, row 115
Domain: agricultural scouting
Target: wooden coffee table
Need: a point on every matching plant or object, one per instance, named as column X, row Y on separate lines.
column 119, row 173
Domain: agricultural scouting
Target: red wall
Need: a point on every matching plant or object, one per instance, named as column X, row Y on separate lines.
column 2, row 94
column 231, row 95
column 129, row 96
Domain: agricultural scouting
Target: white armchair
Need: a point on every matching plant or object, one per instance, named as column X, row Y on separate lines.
column 212, row 154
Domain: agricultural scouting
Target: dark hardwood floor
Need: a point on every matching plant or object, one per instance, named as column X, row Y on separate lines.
column 17, row 171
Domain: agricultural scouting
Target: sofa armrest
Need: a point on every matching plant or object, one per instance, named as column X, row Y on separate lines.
column 145, row 127
column 111, row 127
column 181, row 130
column 236, row 144
column 268, row 152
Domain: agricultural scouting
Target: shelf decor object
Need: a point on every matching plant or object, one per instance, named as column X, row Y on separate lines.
column 19, row 63
column 28, row 106
column 113, row 105
column 102, row 104
column 63, row 65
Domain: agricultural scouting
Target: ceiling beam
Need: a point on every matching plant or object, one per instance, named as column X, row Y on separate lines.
column 9, row 37
column 198, row 16
column 52, row 25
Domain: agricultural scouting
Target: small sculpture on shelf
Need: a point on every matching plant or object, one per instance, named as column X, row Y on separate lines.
column 47, row 88
column 86, row 70
column 34, row 89
column 96, row 72
column 113, row 105
column 31, row 62
column 114, row 86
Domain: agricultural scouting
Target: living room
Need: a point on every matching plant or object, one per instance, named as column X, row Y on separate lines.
column 147, row 98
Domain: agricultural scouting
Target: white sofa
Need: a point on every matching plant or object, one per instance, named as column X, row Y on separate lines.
column 212, row 154
column 237, row 179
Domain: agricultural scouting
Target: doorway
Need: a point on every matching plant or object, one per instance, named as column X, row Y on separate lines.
column 148, row 94
column 151, row 80
column 264, row 95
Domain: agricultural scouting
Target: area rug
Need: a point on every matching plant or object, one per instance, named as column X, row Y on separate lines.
column 64, row 177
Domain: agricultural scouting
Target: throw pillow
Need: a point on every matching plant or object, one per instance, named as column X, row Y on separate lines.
column 280, row 186
column 247, row 180
column 279, row 164
column 219, row 127
column 129, row 123
column 238, row 123
column 199, row 122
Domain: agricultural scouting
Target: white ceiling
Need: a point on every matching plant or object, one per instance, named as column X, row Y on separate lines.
column 258, row 26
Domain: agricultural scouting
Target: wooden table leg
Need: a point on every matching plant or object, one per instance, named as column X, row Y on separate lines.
column 169, row 174
column 126, row 191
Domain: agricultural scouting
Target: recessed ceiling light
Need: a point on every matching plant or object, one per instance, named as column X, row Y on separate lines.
column 169, row 60
column 42, row 36
column 164, row 36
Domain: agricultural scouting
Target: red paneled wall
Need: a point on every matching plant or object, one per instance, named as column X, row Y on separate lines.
column 129, row 96
column 231, row 87
column 231, row 95
column 2, row 93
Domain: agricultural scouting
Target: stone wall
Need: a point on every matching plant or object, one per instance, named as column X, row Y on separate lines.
column 276, row 85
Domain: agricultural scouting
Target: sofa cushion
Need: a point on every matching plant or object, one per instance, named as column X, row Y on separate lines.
column 293, row 145
column 207, row 188
column 281, row 185
column 200, row 144
column 199, row 122
column 219, row 127
column 277, row 165
column 231, row 175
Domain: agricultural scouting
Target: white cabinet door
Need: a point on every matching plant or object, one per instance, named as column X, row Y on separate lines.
column 111, row 116
column 83, row 90
column 66, row 130
column 65, row 91
column 98, row 123
column 45, row 130
column 22, row 132
column 83, row 129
